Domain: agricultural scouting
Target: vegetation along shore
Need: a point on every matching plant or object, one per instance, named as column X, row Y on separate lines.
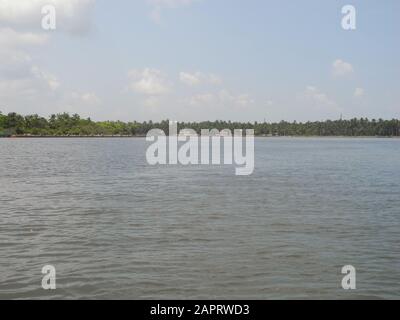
column 66, row 125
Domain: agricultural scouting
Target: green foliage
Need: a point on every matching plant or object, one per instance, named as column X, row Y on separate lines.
column 67, row 125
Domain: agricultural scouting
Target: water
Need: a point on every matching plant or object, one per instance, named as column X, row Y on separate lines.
column 115, row 227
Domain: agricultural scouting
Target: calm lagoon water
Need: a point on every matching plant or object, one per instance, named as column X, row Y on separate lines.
column 115, row 227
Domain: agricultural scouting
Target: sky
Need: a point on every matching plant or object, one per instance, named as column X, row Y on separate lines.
column 195, row 60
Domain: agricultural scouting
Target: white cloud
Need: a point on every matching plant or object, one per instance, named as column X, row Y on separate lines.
column 90, row 98
column 317, row 98
column 359, row 92
column 159, row 5
column 21, row 78
column 16, row 63
column 157, row 93
column 203, row 99
column 19, row 74
column 189, row 79
column 341, row 68
column 45, row 76
column 223, row 97
column 242, row 99
column 32, row 83
column 214, row 79
column 12, row 39
column 24, row 83
column 198, row 78
column 72, row 15
column 150, row 82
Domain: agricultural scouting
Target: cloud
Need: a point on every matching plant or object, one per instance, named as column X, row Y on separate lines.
column 29, row 83
column 203, row 99
column 317, row 98
column 242, row 99
column 154, row 90
column 12, row 39
column 21, row 78
column 25, row 84
column 90, row 98
column 189, row 79
column 223, row 97
column 150, row 82
column 72, row 15
column 359, row 92
column 341, row 68
column 18, row 68
column 159, row 5
column 45, row 76
column 198, row 78
column 19, row 75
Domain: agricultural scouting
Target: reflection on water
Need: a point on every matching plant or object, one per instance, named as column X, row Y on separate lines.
column 115, row 227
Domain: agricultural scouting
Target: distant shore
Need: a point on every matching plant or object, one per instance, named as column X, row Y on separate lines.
column 70, row 126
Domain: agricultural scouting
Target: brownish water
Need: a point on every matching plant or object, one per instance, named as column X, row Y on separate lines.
column 115, row 227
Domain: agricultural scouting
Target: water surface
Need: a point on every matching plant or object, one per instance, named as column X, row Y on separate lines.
column 115, row 227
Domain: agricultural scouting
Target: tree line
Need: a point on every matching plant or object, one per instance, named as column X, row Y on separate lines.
column 64, row 124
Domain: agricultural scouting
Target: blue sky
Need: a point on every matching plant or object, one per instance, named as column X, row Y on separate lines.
column 201, row 59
